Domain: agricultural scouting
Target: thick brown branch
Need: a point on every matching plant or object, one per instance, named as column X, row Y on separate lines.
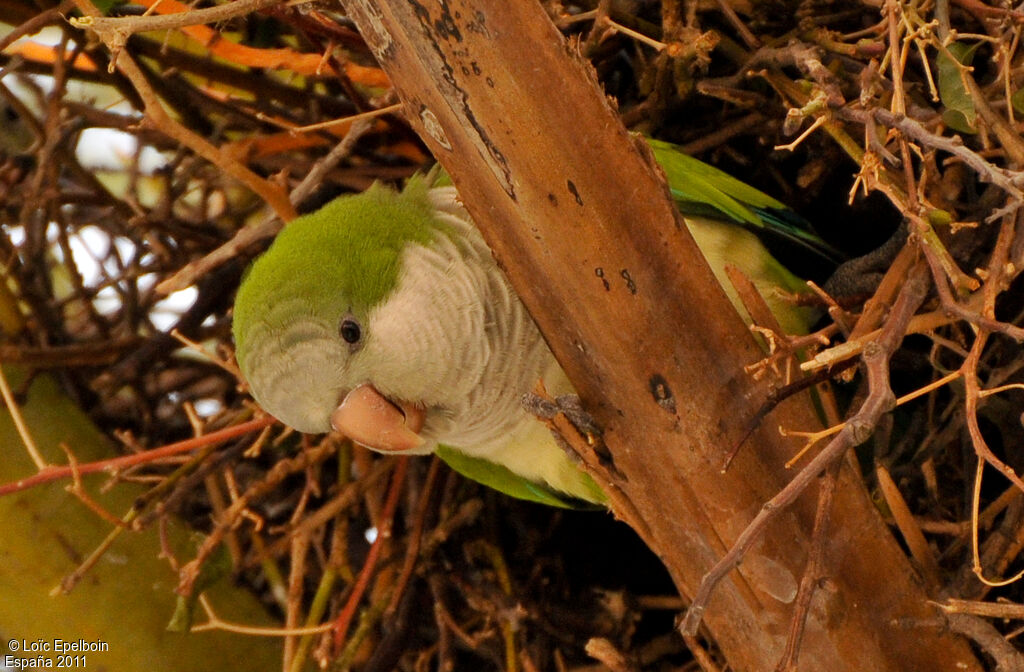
column 594, row 247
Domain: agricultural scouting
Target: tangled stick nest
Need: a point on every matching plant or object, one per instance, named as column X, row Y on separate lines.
column 861, row 116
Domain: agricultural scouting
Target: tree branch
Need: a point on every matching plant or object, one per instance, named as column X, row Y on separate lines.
column 590, row 239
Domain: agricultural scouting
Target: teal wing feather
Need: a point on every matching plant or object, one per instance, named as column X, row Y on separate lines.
column 703, row 190
column 508, row 482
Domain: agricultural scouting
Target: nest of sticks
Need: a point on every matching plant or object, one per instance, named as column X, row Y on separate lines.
column 121, row 268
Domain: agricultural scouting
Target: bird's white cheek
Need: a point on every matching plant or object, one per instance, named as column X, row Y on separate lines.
column 408, row 357
column 426, row 336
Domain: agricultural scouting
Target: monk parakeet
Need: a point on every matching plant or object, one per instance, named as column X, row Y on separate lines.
column 384, row 316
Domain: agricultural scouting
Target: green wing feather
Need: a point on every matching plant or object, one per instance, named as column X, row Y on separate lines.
column 512, row 484
column 703, row 190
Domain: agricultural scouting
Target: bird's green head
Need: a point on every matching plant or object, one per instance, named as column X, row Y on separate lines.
column 308, row 315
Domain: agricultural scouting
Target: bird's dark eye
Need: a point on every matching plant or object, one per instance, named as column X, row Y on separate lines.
column 350, row 331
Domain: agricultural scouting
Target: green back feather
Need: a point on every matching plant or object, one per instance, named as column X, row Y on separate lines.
column 351, row 247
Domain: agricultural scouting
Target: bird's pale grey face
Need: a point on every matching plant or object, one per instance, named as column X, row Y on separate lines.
column 316, row 376
column 294, row 363
column 387, row 377
column 387, row 328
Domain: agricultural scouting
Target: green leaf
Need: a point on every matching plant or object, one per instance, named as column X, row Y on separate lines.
column 125, row 599
column 960, row 114
column 216, row 567
column 1017, row 100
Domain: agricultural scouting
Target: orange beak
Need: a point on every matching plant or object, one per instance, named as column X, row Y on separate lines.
column 371, row 420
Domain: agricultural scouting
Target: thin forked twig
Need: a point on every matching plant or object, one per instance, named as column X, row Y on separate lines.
column 270, row 224
column 115, row 30
column 809, row 580
column 858, row 429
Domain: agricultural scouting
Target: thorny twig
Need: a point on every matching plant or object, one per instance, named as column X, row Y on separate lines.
column 53, row 473
column 278, row 473
column 857, row 430
column 809, row 580
column 1008, row 180
column 266, row 227
column 115, row 31
column 158, row 117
